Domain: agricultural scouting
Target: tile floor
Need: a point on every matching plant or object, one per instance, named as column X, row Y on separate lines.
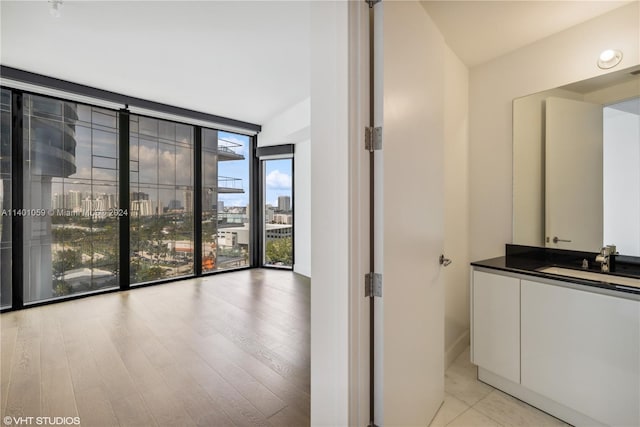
column 469, row 402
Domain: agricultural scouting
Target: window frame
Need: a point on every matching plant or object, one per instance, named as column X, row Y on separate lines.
column 21, row 83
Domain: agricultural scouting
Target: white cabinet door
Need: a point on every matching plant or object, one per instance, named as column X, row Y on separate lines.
column 582, row 350
column 496, row 324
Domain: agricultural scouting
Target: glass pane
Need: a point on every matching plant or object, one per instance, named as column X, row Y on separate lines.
column 184, row 165
column 167, row 131
column 148, row 161
column 71, row 235
column 5, row 200
column 184, row 134
column 147, row 126
column 161, row 203
column 209, row 199
column 167, row 164
column 232, row 206
column 278, row 212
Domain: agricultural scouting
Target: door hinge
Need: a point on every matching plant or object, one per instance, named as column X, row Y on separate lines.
column 372, row 3
column 373, row 285
column 372, row 138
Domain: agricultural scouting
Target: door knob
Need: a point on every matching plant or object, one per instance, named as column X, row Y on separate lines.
column 444, row 261
column 556, row 240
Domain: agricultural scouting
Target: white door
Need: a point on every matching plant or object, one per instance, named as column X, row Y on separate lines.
column 408, row 104
column 573, row 175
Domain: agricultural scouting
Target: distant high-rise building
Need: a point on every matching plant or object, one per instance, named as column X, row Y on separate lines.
column 187, row 197
column 282, row 219
column 207, row 200
column 98, row 207
column 269, row 212
column 220, row 206
column 284, row 203
column 87, row 207
column 57, row 201
column 174, row 204
column 141, row 208
column 139, row 196
column 111, row 201
column 75, row 200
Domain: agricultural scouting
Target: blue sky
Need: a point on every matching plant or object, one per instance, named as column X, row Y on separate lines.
column 277, row 173
column 278, row 179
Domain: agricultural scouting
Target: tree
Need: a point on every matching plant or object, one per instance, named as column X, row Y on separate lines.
column 142, row 272
column 66, row 260
column 280, row 251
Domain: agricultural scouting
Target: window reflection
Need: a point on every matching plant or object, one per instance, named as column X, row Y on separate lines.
column 161, row 227
column 71, row 195
column 71, row 189
column 5, row 200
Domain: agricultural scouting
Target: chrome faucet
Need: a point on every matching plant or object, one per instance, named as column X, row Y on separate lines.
column 605, row 258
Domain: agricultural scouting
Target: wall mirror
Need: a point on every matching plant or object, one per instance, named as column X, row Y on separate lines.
column 576, row 165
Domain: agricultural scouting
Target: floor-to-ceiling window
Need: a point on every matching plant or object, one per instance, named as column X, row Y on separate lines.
column 5, row 200
column 161, row 199
column 70, row 212
column 278, row 212
column 108, row 199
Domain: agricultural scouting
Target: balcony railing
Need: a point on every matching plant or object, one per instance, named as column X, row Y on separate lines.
column 230, row 185
column 228, row 150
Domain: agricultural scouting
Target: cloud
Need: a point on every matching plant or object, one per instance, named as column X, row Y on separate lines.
column 165, row 165
column 277, row 180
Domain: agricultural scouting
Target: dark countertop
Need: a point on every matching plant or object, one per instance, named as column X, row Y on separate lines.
column 526, row 260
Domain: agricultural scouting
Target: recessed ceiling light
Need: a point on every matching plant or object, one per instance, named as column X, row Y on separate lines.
column 609, row 58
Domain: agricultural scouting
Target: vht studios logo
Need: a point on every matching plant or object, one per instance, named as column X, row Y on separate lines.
column 40, row 421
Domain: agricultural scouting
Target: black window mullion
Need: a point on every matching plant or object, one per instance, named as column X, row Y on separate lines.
column 255, row 199
column 17, row 200
column 197, row 201
column 293, row 212
column 124, row 202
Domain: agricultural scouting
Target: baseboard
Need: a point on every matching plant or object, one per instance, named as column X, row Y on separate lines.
column 300, row 274
column 456, row 348
column 536, row 400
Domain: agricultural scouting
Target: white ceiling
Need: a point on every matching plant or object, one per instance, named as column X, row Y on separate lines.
column 246, row 60
column 478, row 31
column 239, row 59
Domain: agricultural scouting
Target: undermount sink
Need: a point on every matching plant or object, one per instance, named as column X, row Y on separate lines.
column 590, row 275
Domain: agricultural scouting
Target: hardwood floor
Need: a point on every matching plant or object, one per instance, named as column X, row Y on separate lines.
column 226, row 350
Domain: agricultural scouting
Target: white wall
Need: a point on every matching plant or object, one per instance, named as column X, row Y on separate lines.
column 456, row 205
column 292, row 126
column 288, row 127
column 302, row 202
column 555, row 61
column 621, row 151
column 330, row 221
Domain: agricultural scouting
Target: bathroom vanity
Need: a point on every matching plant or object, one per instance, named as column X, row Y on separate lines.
column 559, row 337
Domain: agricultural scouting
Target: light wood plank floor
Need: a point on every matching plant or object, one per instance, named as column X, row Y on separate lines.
column 226, row 350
